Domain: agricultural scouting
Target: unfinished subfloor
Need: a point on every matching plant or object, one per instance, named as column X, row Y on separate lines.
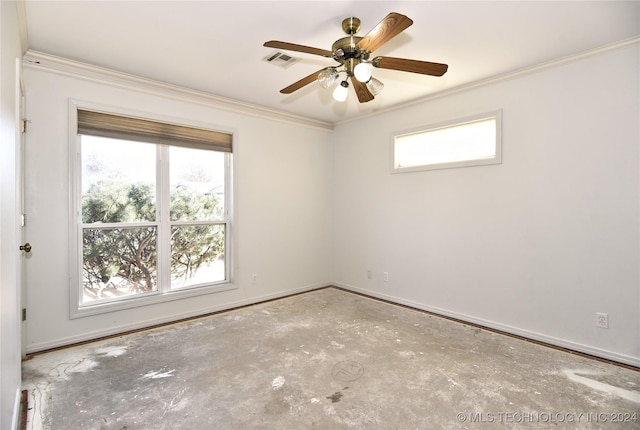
column 328, row 359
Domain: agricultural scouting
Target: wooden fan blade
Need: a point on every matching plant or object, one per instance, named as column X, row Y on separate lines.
column 364, row 95
column 413, row 66
column 299, row 48
column 392, row 25
column 301, row 83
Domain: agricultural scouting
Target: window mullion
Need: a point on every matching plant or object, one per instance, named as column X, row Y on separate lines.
column 164, row 223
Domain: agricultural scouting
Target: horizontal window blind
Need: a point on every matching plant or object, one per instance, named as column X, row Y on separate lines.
column 144, row 130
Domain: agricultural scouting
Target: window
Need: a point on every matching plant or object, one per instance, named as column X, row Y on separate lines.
column 153, row 204
column 471, row 141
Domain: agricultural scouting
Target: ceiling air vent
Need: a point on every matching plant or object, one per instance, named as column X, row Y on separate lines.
column 280, row 59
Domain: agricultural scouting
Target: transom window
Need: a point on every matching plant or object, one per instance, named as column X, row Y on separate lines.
column 471, row 141
column 153, row 205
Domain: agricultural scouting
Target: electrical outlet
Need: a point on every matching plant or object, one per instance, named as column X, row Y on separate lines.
column 369, row 274
column 385, row 275
column 254, row 279
column 602, row 320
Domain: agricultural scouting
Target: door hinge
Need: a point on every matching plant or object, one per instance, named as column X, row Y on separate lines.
column 23, row 125
column 23, row 220
column 24, row 314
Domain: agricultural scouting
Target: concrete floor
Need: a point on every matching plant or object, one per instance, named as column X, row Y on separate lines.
column 327, row 359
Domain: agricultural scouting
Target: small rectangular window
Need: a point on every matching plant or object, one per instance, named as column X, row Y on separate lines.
column 472, row 141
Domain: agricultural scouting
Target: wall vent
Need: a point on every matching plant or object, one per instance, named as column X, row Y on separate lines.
column 280, row 59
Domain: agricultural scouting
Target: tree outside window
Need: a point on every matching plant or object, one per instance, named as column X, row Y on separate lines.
column 135, row 231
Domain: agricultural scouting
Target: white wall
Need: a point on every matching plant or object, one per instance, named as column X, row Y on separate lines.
column 282, row 197
column 10, row 346
column 534, row 246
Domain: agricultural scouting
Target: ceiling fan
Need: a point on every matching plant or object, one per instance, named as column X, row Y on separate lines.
column 353, row 53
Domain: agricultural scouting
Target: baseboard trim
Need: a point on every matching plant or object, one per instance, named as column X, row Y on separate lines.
column 24, row 409
column 542, row 339
column 94, row 336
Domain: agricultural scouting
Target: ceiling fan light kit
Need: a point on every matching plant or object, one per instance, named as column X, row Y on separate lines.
column 362, row 72
column 374, row 86
column 353, row 52
column 341, row 92
column 327, row 77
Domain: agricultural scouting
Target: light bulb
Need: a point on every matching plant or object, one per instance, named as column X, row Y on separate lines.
column 375, row 86
column 341, row 91
column 362, row 72
column 327, row 77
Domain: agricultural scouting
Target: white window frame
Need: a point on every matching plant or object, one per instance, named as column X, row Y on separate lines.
column 496, row 159
column 164, row 292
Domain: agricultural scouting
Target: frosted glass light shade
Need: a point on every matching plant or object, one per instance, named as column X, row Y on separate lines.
column 375, row 86
column 341, row 92
column 362, row 72
column 327, row 77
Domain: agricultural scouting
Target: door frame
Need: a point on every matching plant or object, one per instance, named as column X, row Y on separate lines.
column 20, row 204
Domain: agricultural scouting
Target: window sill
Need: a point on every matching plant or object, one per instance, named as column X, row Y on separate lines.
column 470, row 163
column 147, row 300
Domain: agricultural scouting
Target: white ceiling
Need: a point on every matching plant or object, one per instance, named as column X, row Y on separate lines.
column 216, row 46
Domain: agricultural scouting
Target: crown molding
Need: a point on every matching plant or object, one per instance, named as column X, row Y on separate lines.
column 500, row 78
column 63, row 66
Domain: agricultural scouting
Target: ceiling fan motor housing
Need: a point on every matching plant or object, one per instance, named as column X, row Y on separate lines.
column 345, row 50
